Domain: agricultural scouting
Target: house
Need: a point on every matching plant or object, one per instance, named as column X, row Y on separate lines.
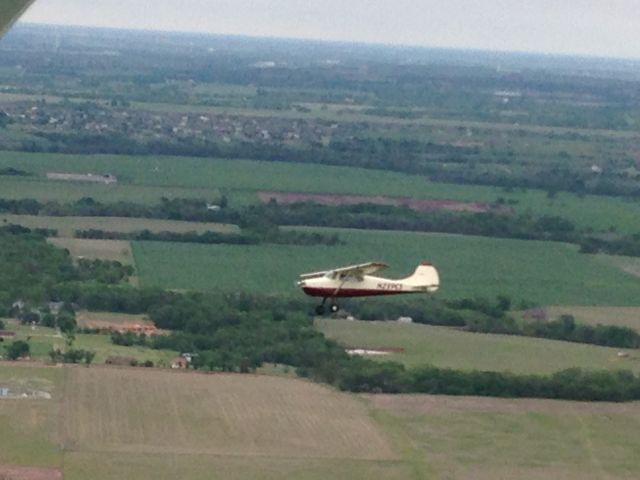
column 55, row 307
column 179, row 363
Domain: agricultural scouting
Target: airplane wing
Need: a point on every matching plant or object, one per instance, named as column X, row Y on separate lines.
column 355, row 270
column 10, row 11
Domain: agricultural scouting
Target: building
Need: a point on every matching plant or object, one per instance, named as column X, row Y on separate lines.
column 179, row 363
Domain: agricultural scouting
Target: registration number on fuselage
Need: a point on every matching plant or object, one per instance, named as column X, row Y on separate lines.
column 389, row 286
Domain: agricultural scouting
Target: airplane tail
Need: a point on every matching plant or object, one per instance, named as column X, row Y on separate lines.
column 425, row 276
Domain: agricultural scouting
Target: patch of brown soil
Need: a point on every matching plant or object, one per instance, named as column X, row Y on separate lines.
column 115, row 322
column 412, row 405
column 29, row 473
column 423, row 205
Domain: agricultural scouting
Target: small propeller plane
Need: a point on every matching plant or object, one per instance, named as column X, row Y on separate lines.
column 357, row 281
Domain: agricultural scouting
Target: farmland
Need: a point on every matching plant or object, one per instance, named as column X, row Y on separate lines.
column 28, row 428
column 459, row 438
column 197, row 117
column 44, row 190
column 224, row 417
column 621, row 316
column 66, row 226
column 147, row 179
column 119, row 426
column 139, row 428
column 117, row 250
column 450, row 348
column 470, row 266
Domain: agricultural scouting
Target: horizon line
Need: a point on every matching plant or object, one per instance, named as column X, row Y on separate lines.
column 361, row 43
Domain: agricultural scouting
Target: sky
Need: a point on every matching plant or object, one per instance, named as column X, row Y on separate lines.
column 584, row 27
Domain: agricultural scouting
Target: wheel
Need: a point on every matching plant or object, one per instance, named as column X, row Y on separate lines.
column 320, row 310
column 334, row 308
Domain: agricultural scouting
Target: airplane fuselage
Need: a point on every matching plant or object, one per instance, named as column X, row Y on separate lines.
column 369, row 286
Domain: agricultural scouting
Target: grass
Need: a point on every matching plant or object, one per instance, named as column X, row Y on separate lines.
column 123, row 466
column 28, row 427
column 43, row 340
column 44, row 190
column 147, row 179
column 66, row 226
column 620, row 316
column 459, row 438
column 451, row 348
column 118, row 250
column 543, row 272
column 234, row 174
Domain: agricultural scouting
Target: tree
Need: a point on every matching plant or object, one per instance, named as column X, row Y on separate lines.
column 66, row 322
column 18, row 349
column 89, row 356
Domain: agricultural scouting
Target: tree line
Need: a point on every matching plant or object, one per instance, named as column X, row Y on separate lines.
column 260, row 223
column 482, row 315
column 247, row 237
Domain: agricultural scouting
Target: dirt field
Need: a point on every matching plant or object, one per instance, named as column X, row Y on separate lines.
column 29, row 473
column 412, row 203
column 107, row 320
column 144, row 411
column 119, row 250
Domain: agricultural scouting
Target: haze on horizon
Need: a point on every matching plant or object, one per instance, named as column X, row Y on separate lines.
column 582, row 27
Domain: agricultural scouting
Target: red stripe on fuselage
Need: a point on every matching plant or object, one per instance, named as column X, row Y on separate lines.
column 349, row 292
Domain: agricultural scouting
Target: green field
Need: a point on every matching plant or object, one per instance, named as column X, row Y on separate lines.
column 66, row 226
column 28, row 428
column 43, row 190
column 452, row 348
column 460, row 438
column 147, row 179
column 543, row 272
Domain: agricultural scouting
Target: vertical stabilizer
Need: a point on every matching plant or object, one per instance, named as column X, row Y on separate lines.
column 426, row 276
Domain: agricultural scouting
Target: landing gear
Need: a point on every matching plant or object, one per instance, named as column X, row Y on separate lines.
column 333, row 307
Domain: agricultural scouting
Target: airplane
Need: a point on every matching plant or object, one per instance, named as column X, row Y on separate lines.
column 357, row 281
column 11, row 11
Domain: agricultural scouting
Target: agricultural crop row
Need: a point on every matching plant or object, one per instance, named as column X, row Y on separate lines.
column 545, row 273
column 110, row 424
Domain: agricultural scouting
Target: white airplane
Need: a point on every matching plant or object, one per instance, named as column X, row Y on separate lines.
column 11, row 10
column 357, row 281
